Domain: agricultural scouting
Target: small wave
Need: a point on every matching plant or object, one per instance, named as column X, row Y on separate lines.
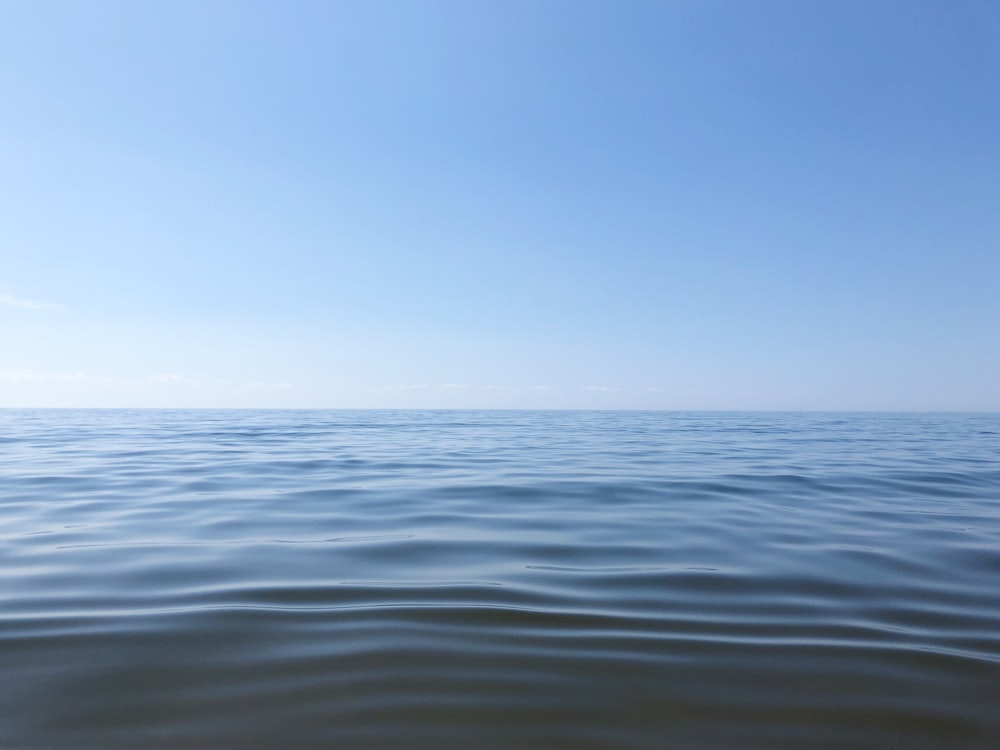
column 455, row 579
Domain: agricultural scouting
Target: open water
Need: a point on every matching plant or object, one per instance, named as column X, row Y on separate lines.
column 488, row 580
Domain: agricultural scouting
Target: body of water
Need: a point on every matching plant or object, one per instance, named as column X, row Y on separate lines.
column 498, row 580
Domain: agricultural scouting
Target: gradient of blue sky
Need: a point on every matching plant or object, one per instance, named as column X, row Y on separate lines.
column 768, row 204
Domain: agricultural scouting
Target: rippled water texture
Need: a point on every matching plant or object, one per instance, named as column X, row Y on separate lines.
column 376, row 579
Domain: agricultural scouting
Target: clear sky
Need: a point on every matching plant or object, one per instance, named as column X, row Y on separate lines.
column 704, row 204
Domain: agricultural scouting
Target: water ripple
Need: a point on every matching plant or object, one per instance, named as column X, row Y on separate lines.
column 595, row 580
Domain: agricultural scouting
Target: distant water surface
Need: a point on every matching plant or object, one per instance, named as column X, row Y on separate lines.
column 488, row 580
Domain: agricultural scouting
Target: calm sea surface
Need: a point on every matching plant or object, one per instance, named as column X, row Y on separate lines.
column 488, row 580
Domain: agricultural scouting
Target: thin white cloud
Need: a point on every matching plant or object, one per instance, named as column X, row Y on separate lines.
column 248, row 386
column 427, row 387
column 26, row 375
column 600, row 389
column 258, row 386
column 172, row 377
column 27, row 304
column 34, row 376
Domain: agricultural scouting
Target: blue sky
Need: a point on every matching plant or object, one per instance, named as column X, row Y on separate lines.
column 554, row 204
